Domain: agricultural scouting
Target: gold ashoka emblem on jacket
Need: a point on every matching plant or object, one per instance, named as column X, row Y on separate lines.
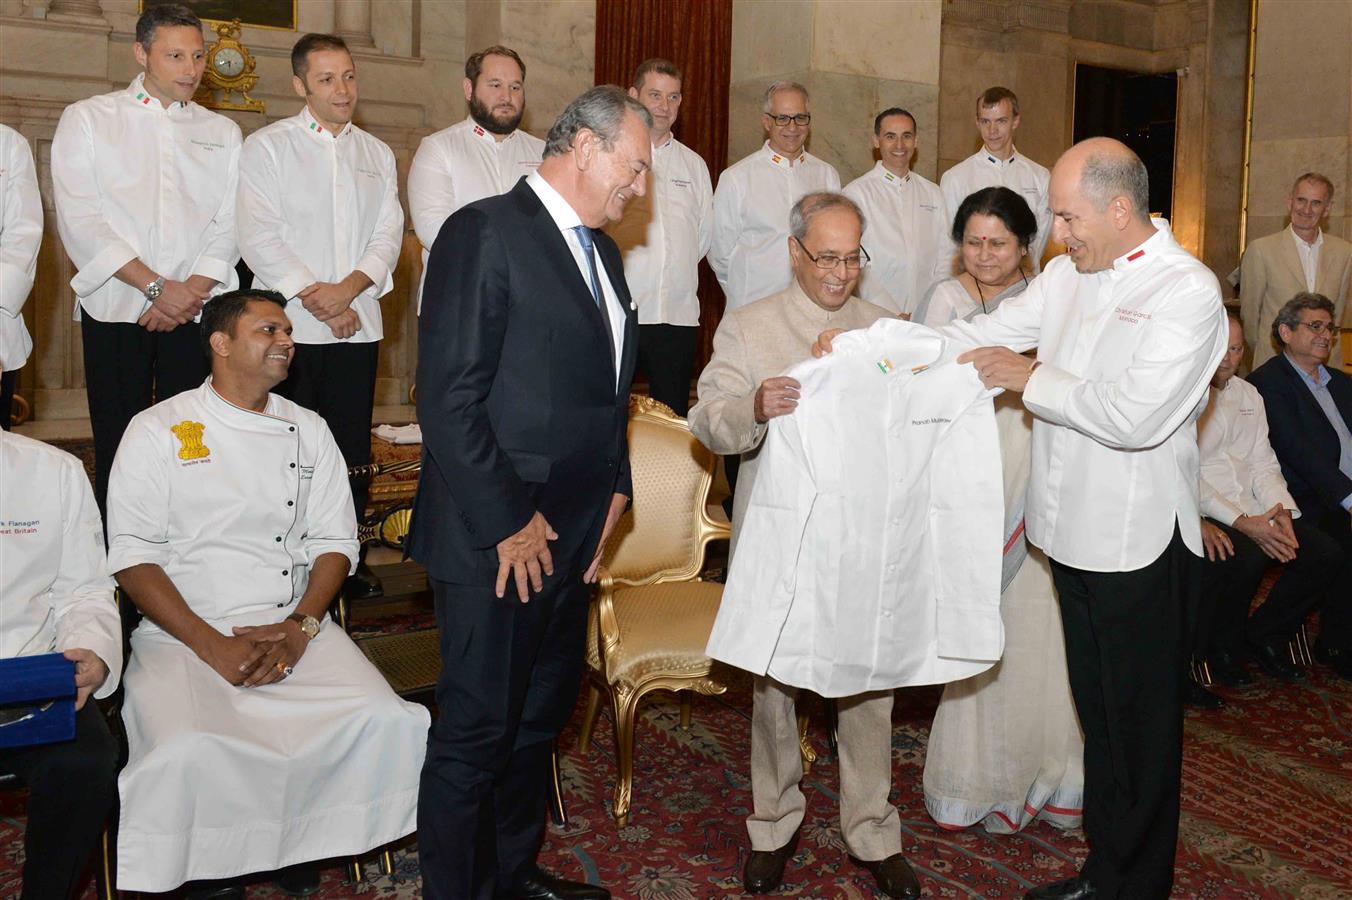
column 189, row 434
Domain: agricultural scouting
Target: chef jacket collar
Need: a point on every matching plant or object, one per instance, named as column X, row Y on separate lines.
column 992, row 159
column 238, row 414
column 889, row 176
column 1144, row 250
column 779, row 159
column 321, row 132
column 485, row 135
column 137, row 91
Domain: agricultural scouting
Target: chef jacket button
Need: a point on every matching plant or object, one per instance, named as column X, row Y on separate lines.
column 293, row 465
column 280, row 605
column 278, row 538
column 292, row 428
column 291, row 503
column 285, row 572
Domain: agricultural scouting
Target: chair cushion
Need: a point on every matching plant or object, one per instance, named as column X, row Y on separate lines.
column 663, row 630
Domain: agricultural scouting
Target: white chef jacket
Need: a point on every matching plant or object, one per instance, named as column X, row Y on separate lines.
column 20, row 237
column 1127, row 355
column 906, row 234
column 869, row 557
column 1240, row 472
column 55, row 592
column 750, row 251
column 1309, row 256
column 317, row 206
column 566, row 218
column 234, row 505
column 132, row 179
column 461, row 164
column 1018, row 173
column 665, row 234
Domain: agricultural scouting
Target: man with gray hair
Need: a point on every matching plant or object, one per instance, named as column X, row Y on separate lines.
column 753, row 197
column 525, row 471
column 1300, row 258
column 740, row 391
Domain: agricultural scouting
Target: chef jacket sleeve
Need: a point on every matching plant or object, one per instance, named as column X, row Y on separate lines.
column 330, row 521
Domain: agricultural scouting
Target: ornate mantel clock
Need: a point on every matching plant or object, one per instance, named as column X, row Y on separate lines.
column 230, row 70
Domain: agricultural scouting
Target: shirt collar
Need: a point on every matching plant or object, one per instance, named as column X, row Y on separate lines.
column 137, row 91
column 320, row 131
column 1146, row 249
column 1301, row 243
column 887, row 175
column 779, row 159
column 564, row 216
column 1324, row 377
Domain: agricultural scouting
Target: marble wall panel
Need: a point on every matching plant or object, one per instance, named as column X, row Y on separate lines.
column 892, row 40
column 769, row 38
column 558, row 42
column 1295, row 60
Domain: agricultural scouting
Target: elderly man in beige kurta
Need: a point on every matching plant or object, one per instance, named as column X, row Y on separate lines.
column 740, row 389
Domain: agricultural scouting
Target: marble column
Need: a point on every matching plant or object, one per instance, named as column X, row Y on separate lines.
column 352, row 23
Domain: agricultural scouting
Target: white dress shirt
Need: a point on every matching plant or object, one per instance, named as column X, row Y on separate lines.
column 665, row 234
column 461, row 164
column 750, row 249
column 132, row 179
column 1309, row 257
column 175, row 500
column 317, row 206
column 1240, row 473
column 55, row 593
column 20, row 237
column 906, row 234
column 1018, row 173
column 1127, row 355
column 567, row 219
column 869, row 557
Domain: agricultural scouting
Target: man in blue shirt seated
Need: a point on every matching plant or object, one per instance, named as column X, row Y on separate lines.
column 1309, row 410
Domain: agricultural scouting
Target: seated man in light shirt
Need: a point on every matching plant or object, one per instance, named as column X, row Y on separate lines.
column 56, row 596
column 1309, row 413
column 1249, row 522
column 252, row 728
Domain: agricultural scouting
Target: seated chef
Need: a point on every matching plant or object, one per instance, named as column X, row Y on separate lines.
column 56, row 596
column 260, row 738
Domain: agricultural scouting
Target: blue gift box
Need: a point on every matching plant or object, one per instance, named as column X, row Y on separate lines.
column 37, row 700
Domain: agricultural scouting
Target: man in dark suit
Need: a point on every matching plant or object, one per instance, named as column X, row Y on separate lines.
column 1309, row 411
column 527, row 350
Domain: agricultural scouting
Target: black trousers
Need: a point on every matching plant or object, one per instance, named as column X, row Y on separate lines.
column 1335, row 616
column 72, row 788
column 1124, row 653
column 126, row 370
column 667, row 354
column 8, row 380
column 509, row 680
column 1229, row 585
column 338, row 381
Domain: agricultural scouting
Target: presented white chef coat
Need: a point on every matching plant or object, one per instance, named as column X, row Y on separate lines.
column 317, row 206
column 132, row 179
column 665, row 234
column 869, row 557
column 750, row 252
column 55, row 590
column 1240, row 472
column 236, row 506
column 906, row 234
column 1126, row 357
column 1018, row 173
column 20, row 237
column 461, row 164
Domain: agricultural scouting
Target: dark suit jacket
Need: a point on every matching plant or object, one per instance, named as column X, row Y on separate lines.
column 517, row 394
column 1301, row 436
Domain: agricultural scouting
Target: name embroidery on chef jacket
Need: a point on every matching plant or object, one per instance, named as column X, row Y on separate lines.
column 189, row 434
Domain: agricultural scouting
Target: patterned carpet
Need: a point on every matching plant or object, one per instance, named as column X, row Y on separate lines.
column 1267, row 786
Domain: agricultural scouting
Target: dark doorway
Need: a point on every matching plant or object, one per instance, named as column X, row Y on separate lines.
column 1138, row 109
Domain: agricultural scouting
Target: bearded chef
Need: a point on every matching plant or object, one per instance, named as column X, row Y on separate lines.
column 251, row 726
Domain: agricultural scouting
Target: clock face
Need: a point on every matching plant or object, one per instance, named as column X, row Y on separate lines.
column 228, row 62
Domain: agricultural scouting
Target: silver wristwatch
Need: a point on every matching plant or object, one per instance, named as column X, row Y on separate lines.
column 308, row 624
column 154, row 289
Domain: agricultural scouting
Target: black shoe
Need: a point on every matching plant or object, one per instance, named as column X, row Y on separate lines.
column 1274, row 660
column 894, row 875
column 543, row 886
column 299, row 880
column 765, row 868
column 1201, row 698
column 363, row 584
column 214, row 890
column 1070, row 889
column 1228, row 670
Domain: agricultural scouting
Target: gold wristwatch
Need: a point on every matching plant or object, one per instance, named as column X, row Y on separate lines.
column 308, row 624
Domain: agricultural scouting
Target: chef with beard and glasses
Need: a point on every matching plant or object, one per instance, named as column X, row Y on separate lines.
column 483, row 156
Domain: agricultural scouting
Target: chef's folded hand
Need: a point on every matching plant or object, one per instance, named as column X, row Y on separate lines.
column 823, row 345
column 90, row 673
column 1000, row 367
column 776, row 396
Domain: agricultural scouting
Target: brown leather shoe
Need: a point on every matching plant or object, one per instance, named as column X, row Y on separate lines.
column 765, row 868
column 893, row 874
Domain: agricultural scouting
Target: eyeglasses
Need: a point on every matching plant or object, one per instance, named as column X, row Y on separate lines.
column 830, row 260
column 800, row 119
column 1322, row 328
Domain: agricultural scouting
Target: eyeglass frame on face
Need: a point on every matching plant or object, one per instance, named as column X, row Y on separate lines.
column 1321, row 327
column 782, row 121
column 831, row 260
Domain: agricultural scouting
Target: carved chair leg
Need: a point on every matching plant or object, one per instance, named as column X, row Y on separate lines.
column 686, row 698
column 386, row 862
column 584, row 731
column 106, row 888
column 558, row 813
column 626, row 709
column 804, row 745
column 355, row 875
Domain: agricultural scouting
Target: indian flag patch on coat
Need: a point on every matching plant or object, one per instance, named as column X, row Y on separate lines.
column 885, row 366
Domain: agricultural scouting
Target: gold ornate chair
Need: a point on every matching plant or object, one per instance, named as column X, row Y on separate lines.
column 652, row 614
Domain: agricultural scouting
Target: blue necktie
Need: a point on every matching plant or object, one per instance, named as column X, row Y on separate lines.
column 584, row 237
